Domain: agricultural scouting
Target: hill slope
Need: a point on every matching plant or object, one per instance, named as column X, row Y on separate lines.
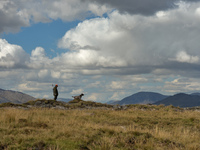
column 142, row 98
column 181, row 100
column 14, row 97
column 64, row 99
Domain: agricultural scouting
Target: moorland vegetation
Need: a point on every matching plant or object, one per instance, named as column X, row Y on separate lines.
column 92, row 126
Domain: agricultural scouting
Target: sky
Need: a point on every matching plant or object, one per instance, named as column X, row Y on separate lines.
column 106, row 49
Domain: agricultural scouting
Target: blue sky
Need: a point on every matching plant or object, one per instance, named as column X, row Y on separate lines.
column 36, row 35
column 105, row 49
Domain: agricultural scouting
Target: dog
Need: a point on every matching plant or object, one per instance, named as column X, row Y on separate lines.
column 78, row 97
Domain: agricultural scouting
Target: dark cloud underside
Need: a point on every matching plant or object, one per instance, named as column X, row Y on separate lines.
column 144, row 7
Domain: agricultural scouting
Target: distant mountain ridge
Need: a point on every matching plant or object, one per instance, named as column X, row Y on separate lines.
column 142, row 98
column 181, row 100
column 14, row 97
column 64, row 99
column 198, row 94
column 112, row 102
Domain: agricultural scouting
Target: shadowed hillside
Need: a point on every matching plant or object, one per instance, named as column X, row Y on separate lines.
column 181, row 100
column 14, row 96
column 141, row 98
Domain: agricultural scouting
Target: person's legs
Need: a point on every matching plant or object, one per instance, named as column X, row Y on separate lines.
column 55, row 97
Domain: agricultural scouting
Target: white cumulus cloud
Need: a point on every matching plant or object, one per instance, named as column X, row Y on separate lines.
column 182, row 56
column 12, row 55
column 138, row 44
column 131, row 49
column 19, row 13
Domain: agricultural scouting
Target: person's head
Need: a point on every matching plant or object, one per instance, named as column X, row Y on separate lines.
column 56, row 85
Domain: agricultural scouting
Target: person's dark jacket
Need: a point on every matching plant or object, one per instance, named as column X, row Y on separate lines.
column 55, row 91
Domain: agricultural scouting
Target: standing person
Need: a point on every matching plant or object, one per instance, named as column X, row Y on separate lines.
column 55, row 92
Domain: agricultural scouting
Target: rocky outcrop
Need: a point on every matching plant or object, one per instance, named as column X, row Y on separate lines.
column 74, row 104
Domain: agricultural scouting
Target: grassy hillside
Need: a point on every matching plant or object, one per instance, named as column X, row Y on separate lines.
column 137, row 128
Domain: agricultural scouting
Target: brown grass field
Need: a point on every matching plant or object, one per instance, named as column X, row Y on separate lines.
column 140, row 127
